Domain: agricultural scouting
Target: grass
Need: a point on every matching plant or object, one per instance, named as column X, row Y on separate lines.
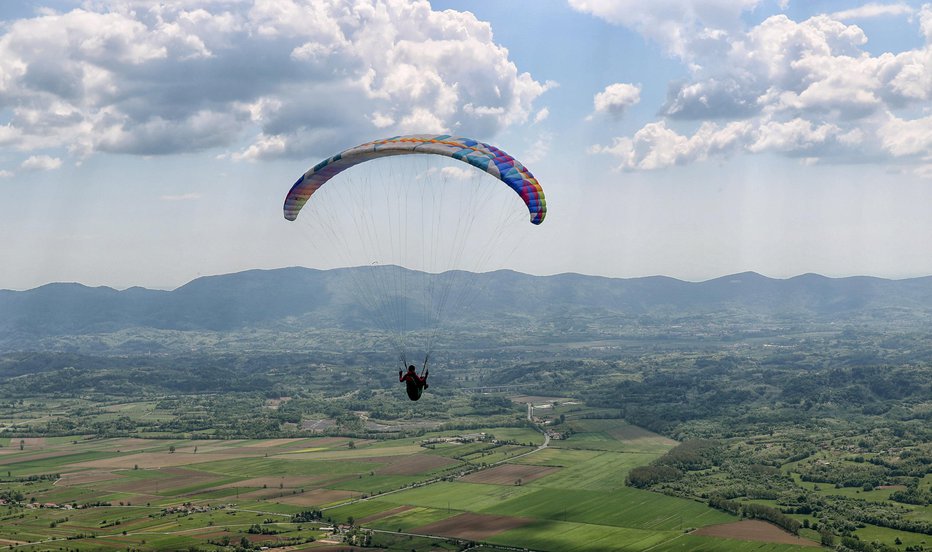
column 921, row 513
column 358, row 510
column 61, row 495
column 274, row 507
column 25, row 465
column 412, row 519
column 871, row 533
column 344, row 453
column 829, row 489
column 372, row 484
column 584, row 506
column 557, row 458
column 470, row 497
column 197, row 487
column 600, row 440
column 690, row 543
column 600, row 471
column 497, row 454
column 617, row 435
column 620, row 508
column 213, row 494
column 259, row 467
column 457, row 450
column 580, row 537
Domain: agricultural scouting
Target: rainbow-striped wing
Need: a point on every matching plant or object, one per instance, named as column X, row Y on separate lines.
column 483, row 156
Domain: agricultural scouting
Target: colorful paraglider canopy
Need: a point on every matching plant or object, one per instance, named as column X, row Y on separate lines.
column 478, row 154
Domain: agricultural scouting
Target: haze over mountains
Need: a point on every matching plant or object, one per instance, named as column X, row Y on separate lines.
column 308, row 298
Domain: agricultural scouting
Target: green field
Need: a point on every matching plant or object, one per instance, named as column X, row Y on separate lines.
column 410, row 520
column 612, row 435
column 358, row 510
column 602, row 471
column 689, row 543
column 582, row 537
column 154, row 494
column 621, row 508
column 467, row 497
column 872, row 533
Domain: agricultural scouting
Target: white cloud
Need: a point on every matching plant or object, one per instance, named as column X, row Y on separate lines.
column 804, row 88
column 6, row 174
column 795, row 136
column 289, row 77
column 157, row 135
column 678, row 25
column 265, row 146
column 924, row 171
column 904, row 137
column 874, row 9
column 925, row 22
column 380, row 120
column 539, row 149
column 616, row 98
column 656, row 146
column 422, row 120
column 41, row 163
column 541, row 115
column 451, row 173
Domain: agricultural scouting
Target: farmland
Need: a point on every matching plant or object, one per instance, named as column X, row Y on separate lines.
column 89, row 493
column 665, row 431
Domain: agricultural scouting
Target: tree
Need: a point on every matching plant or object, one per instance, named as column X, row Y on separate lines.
column 171, row 449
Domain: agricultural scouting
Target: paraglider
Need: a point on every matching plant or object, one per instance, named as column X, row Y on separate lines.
column 414, row 384
column 478, row 154
column 383, row 219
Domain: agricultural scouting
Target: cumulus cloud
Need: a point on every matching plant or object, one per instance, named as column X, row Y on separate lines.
column 907, row 137
column 656, row 146
column 616, row 98
column 40, row 163
column 283, row 77
column 678, row 25
column 450, row 173
column 801, row 88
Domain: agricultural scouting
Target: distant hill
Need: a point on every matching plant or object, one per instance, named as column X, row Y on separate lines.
column 301, row 297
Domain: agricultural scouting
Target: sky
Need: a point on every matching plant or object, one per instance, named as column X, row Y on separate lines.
column 149, row 143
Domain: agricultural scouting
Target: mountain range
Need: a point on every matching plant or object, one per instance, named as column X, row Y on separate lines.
column 302, row 297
